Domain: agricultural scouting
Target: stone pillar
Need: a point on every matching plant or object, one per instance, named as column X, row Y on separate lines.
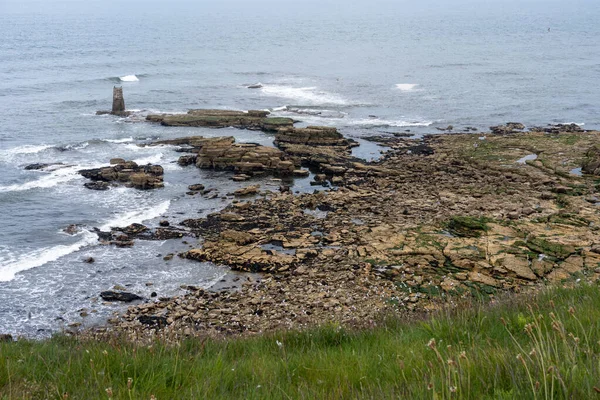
column 118, row 106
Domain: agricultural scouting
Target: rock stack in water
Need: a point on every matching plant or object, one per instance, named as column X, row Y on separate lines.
column 127, row 173
column 118, row 104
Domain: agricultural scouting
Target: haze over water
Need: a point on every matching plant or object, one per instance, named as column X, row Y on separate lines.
column 366, row 67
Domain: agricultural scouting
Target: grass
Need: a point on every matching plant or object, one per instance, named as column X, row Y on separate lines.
column 537, row 347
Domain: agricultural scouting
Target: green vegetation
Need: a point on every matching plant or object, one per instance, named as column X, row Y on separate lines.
column 543, row 246
column 540, row 347
column 465, row 226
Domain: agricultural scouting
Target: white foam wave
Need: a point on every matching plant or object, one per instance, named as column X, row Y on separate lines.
column 129, row 78
column 124, row 140
column 10, row 266
column 571, row 123
column 304, row 95
column 379, row 122
column 26, row 149
column 153, row 159
column 407, row 87
column 130, row 217
column 54, row 178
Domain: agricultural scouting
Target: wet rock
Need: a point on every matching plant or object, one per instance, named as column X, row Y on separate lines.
column 89, row 260
column 244, row 158
column 255, row 86
column 164, row 223
column 253, row 119
column 126, row 297
column 247, row 191
column 127, row 173
column 153, row 321
column 196, row 188
column 41, row 166
column 97, row 185
column 510, row 127
column 187, row 160
column 72, row 229
column 241, row 178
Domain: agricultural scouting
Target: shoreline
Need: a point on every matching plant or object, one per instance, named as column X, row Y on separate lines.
column 434, row 221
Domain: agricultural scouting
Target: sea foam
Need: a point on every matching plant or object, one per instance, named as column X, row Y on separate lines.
column 407, row 87
column 129, row 78
column 10, row 264
column 304, row 95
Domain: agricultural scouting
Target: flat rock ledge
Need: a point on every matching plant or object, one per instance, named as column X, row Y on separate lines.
column 126, row 173
column 223, row 153
column 252, row 120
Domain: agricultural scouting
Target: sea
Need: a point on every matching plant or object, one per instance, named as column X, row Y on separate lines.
column 367, row 67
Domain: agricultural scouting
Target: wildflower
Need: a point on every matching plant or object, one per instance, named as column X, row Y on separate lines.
column 109, row 392
column 430, row 386
column 129, row 383
column 552, row 303
column 452, row 389
column 279, row 344
column 532, row 353
column 431, row 344
column 152, row 397
column 65, row 396
column 537, row 385
column 503, row 321
column 529, row 328
column 451, row 362
column 463, row 355
column 571, row 310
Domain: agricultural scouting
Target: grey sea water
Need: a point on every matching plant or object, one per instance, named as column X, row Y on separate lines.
column 367, row 67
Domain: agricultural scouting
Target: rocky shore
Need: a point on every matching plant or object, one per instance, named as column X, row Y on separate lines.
column 434, row 221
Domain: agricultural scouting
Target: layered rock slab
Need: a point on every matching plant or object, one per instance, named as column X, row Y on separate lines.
column 253, row 119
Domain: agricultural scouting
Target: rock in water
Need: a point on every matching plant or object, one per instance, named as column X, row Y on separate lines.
column 126, row 297
column 255, row 86
column 118, row 105
column 127, row 173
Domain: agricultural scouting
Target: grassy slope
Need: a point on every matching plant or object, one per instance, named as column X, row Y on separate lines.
column 475, row 356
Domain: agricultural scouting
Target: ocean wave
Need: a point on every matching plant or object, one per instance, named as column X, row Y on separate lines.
column 124, row 140
column 381, row 123
column 129, row 78
column 407, row 87
column 304, row 95
column 153, row 159
column 11, row 265
column 130, row 217
column 53, row 178
column 25, row 149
